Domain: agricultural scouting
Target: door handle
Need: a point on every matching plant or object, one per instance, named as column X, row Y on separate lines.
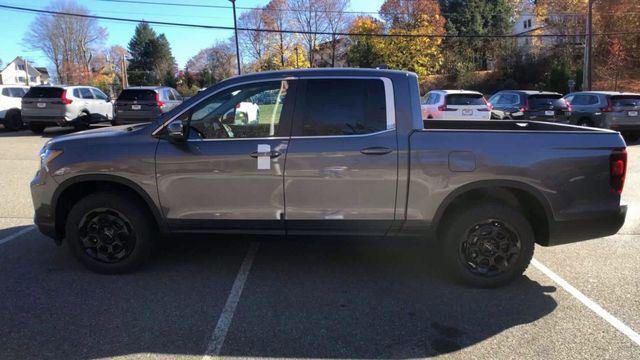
column 272, row 154
column 376, row 150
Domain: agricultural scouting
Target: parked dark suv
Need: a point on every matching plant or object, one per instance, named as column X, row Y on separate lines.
column 530, row 105
column 607, row 109
column 144, row 103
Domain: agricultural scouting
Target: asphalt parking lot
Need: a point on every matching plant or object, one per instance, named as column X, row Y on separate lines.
column 244, row 297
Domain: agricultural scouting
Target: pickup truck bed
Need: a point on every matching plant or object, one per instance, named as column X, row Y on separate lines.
column 333, row 152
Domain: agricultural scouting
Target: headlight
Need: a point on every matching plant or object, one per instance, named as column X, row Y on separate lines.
column 47, row 156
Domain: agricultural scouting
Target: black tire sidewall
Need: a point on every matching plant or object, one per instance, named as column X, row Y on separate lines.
column 37, row 129
column 13, row 121
column 456, row 231
column 143, row 228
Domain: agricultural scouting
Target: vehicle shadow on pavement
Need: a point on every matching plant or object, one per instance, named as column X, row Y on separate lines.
column 337, row 299
column 320, row 298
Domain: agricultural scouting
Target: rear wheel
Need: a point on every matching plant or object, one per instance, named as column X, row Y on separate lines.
column 83, row 122
column 36, row 128
column 110, row 233
column 13, row 121
column 585, row 122
column 487, row 245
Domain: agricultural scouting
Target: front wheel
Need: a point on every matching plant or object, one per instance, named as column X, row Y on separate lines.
column 487, row 245
column 110, row 233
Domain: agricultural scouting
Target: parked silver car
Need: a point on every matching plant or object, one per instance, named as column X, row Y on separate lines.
column 78, row 106
column 144, row 103
column 618, row 111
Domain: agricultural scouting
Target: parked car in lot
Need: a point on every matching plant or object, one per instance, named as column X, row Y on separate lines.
column 10, row 105
column 77, row 106
column 338, row 151
column 530, row 105
column 618, row 111
column 455, row 104
column 144, row 103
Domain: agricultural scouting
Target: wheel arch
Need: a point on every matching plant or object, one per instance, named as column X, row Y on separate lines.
column 517, row 194
column 72, row 190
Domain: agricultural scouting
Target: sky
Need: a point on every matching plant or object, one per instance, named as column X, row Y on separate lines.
column 185, row 42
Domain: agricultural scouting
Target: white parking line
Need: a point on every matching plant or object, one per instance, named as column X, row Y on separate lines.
column 224, row 322
column 622, row 327
column 17, row 234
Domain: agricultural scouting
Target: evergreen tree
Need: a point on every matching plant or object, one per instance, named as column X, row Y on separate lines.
column 151, row 58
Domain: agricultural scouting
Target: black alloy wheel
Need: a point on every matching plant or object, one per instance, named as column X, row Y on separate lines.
column 106, row 235
column 490, row 249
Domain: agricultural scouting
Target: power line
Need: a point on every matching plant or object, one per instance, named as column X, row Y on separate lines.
column 148, row 2
column 218, row 27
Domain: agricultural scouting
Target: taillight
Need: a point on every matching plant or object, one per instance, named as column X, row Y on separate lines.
column 617, row 169
column 160, row 103
column 489, row 106
column 64, row 99
column 609, row 107
column 568, row 105
column 526, row 106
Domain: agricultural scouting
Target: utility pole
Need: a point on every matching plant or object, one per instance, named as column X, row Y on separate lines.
column 297, row 56
column 26, row 70
column 587, row 74
column 125, row 80
column 235, row 28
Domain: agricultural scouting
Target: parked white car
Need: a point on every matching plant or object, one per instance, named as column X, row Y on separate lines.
column 10, row 105
column 250, row 110
column 61, row 105
column 455, row 105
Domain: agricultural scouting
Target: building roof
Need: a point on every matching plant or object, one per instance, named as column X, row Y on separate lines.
column 42, row 69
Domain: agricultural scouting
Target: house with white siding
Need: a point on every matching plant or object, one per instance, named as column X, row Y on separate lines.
column 21, row 72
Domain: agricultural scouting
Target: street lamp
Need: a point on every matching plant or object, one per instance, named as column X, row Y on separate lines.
column 235, row 28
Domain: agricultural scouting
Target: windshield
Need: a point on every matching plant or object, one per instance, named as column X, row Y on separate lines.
column 137, row 95
column 465, row 99
column 538, row 101
column 44, row 92
column 625, row 101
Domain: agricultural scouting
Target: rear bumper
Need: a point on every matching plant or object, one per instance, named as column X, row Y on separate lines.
column 592, row 227
column 49, row 120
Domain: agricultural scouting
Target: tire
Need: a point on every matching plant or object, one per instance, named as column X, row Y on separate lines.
column 110, row 233
column 471, row 224
column 584, row 122
column 631, row 137
column 13, row 121
column 83, row 122
column 36, row 128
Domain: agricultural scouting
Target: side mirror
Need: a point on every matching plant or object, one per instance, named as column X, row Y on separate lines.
column 175, row 131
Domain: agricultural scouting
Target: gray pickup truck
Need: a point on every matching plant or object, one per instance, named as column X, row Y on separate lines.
column 335, row 152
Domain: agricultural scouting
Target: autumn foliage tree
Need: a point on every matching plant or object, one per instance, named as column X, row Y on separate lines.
column 366, row 51
column 420, row 54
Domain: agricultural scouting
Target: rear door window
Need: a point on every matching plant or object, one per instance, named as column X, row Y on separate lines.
column 44, row 92
column 342, row 107
column 99, row 94
column 464, row 99
column 137, row 95
column 85, row 93
column 17, row 92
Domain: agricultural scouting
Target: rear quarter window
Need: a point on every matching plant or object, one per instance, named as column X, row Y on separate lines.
column 44, row 92
column 137, row 95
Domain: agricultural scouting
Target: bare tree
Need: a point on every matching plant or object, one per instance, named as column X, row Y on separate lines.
column 255, row 44
column 278, row 18
column 337, row 21
column 308, row 16
column 67, row 41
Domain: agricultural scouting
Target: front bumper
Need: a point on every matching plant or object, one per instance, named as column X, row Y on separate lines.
column 592, row 227
column 42, row 189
